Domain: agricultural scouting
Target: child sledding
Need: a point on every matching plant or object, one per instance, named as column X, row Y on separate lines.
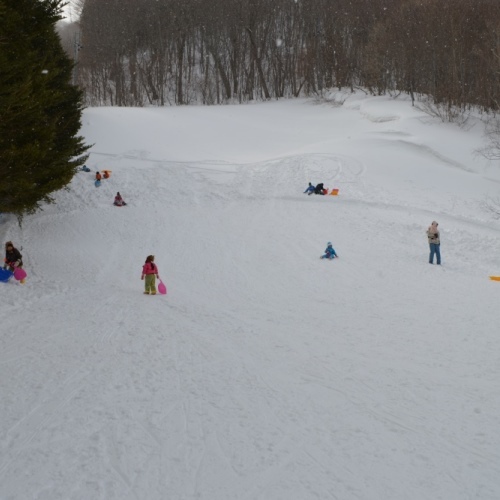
column 309, row 189
column 318, row 189
column 119, row 201
column 329, row 252
column 99, row 177
column 13, row 264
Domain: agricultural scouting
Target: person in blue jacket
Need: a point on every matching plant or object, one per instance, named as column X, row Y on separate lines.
column 310, row 189
column 330, row 252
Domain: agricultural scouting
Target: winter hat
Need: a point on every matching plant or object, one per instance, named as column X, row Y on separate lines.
column 9, row 244
column 329, row 244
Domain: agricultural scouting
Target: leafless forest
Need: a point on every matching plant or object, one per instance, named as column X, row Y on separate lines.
column 163, row 52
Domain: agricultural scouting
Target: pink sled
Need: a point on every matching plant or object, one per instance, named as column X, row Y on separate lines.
column 19, row 274
column 162, row 288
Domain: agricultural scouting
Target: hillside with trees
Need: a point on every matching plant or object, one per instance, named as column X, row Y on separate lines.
column 161, row 52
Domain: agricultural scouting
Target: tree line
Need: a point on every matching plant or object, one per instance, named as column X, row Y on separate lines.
column 160, row 52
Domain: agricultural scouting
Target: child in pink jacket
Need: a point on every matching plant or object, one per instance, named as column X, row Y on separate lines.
column 149, row 273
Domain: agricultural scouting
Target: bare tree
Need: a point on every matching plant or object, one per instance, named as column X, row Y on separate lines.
column 158, row 52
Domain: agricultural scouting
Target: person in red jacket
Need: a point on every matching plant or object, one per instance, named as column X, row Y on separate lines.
column 149, row 273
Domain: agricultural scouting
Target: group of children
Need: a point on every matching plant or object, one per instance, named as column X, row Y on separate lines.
column 432, row 232
column 118, row 201
column 318, row 189
column 13, row 258
column 99, row 177
column 150, row 270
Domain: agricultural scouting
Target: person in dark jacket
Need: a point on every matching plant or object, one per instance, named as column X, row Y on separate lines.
column 319, row 189
column 13, row 258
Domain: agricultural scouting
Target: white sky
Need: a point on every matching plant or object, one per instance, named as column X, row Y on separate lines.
column 265, row 372
column 69, row 11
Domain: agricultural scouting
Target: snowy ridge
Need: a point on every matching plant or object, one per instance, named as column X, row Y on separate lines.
column 265, row 373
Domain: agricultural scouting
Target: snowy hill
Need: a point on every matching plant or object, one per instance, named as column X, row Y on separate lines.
column 265, row 373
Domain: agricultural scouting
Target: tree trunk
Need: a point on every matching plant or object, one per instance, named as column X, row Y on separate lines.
column 256, row 58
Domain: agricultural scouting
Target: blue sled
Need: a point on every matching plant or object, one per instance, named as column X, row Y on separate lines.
column 5, row 275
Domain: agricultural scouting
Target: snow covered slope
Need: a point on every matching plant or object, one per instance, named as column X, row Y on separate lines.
column 265, row 373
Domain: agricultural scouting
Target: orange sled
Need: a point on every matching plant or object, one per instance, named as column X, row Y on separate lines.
column 495, row 278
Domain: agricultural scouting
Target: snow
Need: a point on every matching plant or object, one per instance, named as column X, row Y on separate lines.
column 265, row 372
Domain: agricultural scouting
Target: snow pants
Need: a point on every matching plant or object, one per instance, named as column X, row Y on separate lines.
column 149, row 283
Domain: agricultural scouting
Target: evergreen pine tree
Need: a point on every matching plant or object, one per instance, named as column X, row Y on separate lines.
column 40, row 111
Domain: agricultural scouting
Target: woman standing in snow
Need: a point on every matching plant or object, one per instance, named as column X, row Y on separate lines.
column 149, row 272
column 434, row 243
